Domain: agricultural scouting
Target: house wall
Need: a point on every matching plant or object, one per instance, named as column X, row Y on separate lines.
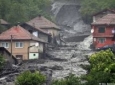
column 108, row 31
column 36, row 49
column 33, row 55
column 108, row 35
column 34, row 52
column 24, row 51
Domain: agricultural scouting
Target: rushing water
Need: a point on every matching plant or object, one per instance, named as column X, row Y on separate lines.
column 73, row 55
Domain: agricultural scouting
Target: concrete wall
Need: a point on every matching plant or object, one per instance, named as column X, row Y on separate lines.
column 19, row 51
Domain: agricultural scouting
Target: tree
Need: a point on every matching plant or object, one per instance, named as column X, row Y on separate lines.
column 29, row 78
column 15, row 11
column 102, row 68
column 69, row 80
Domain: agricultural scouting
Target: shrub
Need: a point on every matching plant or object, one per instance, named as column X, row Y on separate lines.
column 29, row 78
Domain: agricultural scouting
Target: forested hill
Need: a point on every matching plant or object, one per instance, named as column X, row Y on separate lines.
column 15, row 11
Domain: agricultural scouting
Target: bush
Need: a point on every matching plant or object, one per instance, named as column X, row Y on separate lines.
column 102, row 68
column 29, row 78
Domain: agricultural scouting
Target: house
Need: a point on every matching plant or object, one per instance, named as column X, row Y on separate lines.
column 103, row 31
column 8, row 56
column 102, row 13
column 22, row 44
column 36, row 31
column 45, row 24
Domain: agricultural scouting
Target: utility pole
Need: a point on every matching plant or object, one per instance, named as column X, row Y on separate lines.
column 11, row 45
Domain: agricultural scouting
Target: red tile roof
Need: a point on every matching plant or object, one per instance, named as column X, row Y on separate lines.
column 3, row 21
column 107, row 19
column 42, row 22
column 18, row 33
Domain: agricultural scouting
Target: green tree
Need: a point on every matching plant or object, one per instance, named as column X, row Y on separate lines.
column 28, row 78
column 102, row 68
column 15, row 11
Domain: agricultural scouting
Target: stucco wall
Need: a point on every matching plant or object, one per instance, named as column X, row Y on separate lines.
column 19, row 51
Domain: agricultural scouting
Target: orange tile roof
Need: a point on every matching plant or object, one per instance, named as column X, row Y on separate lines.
column 107, row 19
column 18, row 33
column 42, row 22
column 3, row 21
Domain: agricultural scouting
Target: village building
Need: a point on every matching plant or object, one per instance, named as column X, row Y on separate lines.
column 22, row 44
column 103, row 31
column 45, row 24
column 36, row 31
column 102, row 13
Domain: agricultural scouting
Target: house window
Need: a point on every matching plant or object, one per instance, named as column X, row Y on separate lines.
column 101, row 40
column 5, row 44
column 101, row 30
column 19, row 44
